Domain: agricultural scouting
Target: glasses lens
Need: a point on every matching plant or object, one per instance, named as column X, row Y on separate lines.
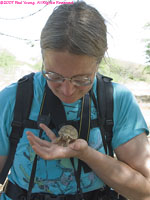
column 81, row 81
column 53, row 77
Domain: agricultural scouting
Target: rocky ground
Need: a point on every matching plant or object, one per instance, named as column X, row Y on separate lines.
column 141, row 90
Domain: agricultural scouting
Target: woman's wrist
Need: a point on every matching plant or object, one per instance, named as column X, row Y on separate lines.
column 85, row 154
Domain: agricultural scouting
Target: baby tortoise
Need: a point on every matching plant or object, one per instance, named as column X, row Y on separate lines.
column 67, row 134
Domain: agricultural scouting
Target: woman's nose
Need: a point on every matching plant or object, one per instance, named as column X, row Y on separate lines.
column 67, row 88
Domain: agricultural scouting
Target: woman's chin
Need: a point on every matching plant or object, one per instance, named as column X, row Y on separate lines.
column 68, row 100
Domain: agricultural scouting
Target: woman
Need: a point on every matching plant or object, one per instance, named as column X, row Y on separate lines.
column 73, row 43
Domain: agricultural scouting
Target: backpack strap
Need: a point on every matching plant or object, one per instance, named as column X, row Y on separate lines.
column 51, row 112
column 105, row 108
column 53, row 106
column 22, row 108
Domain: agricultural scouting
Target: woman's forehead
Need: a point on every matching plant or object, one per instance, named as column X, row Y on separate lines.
column 51, row 56
column 68, row 64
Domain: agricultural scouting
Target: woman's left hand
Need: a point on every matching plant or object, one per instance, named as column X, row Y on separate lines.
column 50, row 150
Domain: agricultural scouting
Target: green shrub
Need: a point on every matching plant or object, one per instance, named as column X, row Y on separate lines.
column 122, row 71
column 7, row 60
column 147, row 69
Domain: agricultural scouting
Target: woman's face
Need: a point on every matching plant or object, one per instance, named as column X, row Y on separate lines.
column 69, row 65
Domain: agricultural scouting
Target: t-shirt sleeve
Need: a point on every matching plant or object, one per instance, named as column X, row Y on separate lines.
column 128, row 119
column 7, row 101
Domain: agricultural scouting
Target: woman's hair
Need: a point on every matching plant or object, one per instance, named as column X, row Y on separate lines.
column 77, row 28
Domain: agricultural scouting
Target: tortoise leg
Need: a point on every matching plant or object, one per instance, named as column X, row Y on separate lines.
column 57, row 140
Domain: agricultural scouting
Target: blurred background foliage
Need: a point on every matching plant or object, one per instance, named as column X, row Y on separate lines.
column 123, row 71
column 8, row 60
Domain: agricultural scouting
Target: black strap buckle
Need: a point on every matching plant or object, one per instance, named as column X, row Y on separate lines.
column 109, row 122
column 16, row 124
column 45, row 119
column 22, row 197
column 79, row 196
column 17, row 128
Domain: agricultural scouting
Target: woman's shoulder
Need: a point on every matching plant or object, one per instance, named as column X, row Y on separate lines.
column 121, row 92
column 8, row 94
column 39, row 81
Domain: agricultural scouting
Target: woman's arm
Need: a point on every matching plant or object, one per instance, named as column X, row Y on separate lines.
column 130, row 175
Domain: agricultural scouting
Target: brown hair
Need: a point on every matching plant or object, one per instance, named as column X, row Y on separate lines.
column 77, row 28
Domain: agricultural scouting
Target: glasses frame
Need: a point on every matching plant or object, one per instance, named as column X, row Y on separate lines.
column 44, row 73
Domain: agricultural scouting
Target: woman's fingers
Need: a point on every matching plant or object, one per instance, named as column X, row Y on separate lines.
column 52, row 152
column 42, row 151
column 48, row 132
column 36, row 140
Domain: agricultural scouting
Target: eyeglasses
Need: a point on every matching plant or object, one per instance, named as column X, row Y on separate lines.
column 79, row 80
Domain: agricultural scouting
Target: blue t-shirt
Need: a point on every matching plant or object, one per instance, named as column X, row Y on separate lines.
column 57, row 176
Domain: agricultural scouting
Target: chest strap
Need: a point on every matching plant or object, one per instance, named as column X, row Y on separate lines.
column 33, row 124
